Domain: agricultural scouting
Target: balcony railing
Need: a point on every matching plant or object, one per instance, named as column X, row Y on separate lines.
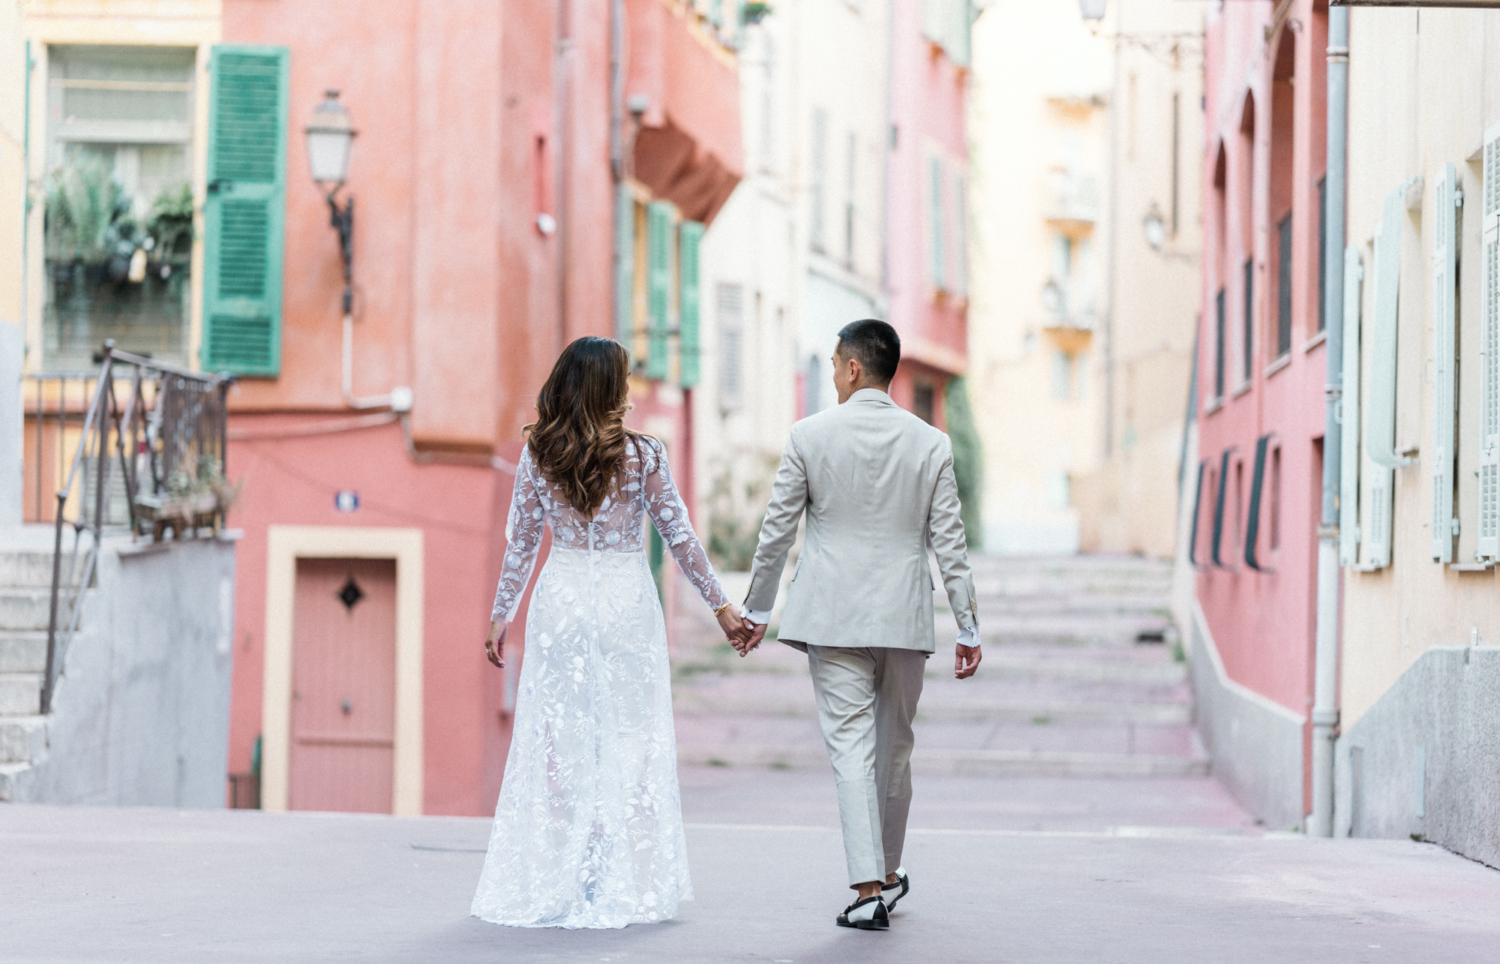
column 1072, row 198
column 148, row 455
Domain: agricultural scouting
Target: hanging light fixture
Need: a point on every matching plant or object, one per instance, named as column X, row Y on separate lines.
column 1092, row 9
column 329, row 137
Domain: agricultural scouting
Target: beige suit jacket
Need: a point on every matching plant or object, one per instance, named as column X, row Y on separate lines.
column 876, row 483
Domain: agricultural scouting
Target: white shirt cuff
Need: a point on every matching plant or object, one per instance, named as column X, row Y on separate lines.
column 969, row 637
column 757, row 616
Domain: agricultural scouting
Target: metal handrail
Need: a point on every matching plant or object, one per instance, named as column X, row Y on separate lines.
column 161, row 442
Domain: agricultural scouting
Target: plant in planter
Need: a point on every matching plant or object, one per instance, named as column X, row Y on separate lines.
column 188, row 500
column 754, row 12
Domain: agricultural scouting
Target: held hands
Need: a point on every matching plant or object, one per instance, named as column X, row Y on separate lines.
column 753, row 633
column 735, row 628
column 494, row 643
column 965, row 661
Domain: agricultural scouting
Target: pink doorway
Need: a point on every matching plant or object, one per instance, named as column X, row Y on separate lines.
column 343, row 685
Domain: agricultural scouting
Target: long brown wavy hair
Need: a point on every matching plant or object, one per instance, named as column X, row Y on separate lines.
column 578, row 440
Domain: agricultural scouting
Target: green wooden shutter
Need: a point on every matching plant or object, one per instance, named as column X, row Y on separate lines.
column 658, row 285
column 244, row 210
column 689, row 241
column 1444, row 293
column 625, row 268
column 1380, row 400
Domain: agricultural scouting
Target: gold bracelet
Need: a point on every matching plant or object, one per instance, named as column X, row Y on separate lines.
column 722, row 608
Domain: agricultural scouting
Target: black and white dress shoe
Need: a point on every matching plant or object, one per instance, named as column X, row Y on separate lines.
column 868, row 915
column 891, row 893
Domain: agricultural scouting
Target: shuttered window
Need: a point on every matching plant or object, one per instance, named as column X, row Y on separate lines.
column 935, row 254
column 1354, row 273
column 1444, row 291
column 1257, row 486
column 1284, row 286
column 1220, row 345
column 1380, row 410
column 1323, row 253
column 730, row 309
column 1489, row 358
column 960, row 236
column 658, row 286
column 245, row 210
column 1218, row 531
column 689, row 299
column 817, row 188
column 625, row 267
column 1247, row 358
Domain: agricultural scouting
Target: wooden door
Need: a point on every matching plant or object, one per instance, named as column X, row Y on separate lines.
column 343, row 685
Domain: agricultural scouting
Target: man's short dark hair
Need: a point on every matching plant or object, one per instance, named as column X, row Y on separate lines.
column 875, row 345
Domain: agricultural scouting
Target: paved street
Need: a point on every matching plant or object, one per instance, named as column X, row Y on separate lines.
column 1063, row 813
column 161, row 886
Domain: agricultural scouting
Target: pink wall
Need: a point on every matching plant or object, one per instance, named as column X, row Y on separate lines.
column 468, row 125
column 1263, row 621
column 927, row 108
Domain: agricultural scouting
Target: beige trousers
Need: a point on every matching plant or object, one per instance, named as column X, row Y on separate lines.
column 867, row 698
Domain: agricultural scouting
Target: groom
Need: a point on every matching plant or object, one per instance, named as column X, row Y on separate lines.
column 877, row 486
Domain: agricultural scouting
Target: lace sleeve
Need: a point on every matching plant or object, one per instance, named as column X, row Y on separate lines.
column 670, row 516
column 523, row 536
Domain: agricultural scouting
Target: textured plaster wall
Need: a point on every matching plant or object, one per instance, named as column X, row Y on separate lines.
column 141, row 713
column 1425, row 759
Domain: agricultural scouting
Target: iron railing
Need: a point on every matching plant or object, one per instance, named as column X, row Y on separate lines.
column 167, row 438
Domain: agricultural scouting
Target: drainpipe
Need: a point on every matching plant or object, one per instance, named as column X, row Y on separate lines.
column 1325, row 714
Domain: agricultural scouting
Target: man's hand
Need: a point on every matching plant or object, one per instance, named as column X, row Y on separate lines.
column 494, row 643
column 754, row 633
column 733, row 626
column 965, row 661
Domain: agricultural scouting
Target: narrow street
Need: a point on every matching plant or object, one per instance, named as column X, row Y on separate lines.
column 1063, row 813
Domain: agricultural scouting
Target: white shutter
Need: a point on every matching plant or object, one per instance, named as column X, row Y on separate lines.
column 1380, row 413
column 1445, row 223
column 1354, row 272
column 1489, row 357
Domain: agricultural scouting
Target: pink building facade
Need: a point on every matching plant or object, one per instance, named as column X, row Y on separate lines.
column 1261, row 372
column 927, row 199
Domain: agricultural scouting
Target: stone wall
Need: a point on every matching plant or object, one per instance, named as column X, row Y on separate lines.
column 141, row 712
column 1424, row 761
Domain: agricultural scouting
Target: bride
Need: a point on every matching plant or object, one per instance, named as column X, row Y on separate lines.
column 588, row 830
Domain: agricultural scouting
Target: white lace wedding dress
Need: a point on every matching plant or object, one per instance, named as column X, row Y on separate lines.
column 588, row 830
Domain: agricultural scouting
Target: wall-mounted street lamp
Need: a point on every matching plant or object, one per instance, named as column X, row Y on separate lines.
column 1092, row 9
column 329, row 138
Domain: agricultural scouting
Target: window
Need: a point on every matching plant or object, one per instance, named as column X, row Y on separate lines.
column 1239, row 507
column 924, row 401
column 960, row 236
column 936, row 255
column 1323, row 253
column 1219, row 344
column 119, row 204
column 1275, row 527
column 1284, row 285
column 730, row 304
column 816, row 196
column 1249, row 346
column 946, row 23
column 1176, row 151
column 1062, row 376
column 849, row 202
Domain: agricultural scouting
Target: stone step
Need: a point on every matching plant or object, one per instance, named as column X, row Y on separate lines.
column 23, row 739
column 20, row 694
column 15, row 781
column 1135, row 665
column 26, row 568
column 799, row 704
column 23, row 652
column 944, row 762
column 1072, row 629
column 22, row 609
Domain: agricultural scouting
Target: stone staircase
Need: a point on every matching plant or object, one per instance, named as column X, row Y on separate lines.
column 1081, row 677
column 25, row 598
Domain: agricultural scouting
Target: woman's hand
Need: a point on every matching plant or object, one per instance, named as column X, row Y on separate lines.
column 733, row 626
column 494, row 643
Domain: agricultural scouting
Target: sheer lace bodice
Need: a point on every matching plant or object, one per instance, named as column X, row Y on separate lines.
column 644, row 488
